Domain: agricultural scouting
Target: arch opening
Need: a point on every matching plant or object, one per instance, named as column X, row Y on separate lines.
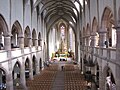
column 3, row 32
column 27, row 37
column 34, row 37
column 109, row 79
column 16, row 75
column 16, row 35
column 34, row 64
column 61, row 41
column 2, row 79
column 27, row 68
column 108, row 24
column 39, row 39
column 40, row 64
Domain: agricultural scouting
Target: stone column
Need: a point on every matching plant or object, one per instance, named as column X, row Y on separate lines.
column 83, row 41
column 101, row 80
column 102, row 37
column 36, row 42
column 9, row 81
column 30, row 42
column 31, row 70
column 117, row 77
column 7, row 42
column 82, row 62
column 21, row 41
column 7, row 46
column 37, row 67
column 22, row 77
column 93, row 40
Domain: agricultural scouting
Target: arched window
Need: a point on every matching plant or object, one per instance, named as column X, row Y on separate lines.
column 62, row 28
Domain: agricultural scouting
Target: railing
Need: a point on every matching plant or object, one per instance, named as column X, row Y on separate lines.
column 39, row 48
column 104, row 52
column 113, row 54
column 108, row 54
column 33, row 49
column 26, row 50
column 16, row 53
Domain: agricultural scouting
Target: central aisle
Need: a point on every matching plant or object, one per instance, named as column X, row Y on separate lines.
column 58, row 76
column 59, row 81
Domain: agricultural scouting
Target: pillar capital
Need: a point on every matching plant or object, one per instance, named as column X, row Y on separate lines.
column 9, row 81
column 102, row 30
column 93, row 39
column 93, row 34
column 21, row 41
column 7, row 35
column 87, row 36
column 35, row 39
column 20, row 36
column 29, row 38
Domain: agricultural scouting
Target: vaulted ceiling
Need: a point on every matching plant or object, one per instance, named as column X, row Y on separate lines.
column 54, row 10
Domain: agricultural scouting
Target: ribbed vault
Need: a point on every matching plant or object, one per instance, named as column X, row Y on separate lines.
column 54, row 10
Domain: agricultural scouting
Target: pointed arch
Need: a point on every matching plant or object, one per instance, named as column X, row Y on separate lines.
column 27, row 36
column 34, row 34
column 3, row 78
column 94, row 25
column 16, row 33
column 34, row 58
column 88, row 30
column 40, row 63
column 34, row 64
column 27, row 32
column 16, row 73
column 4, row 70
column 4, row 26
column 39, row 39
column 27, row 60
column 27, row 67
column 83, row 31
column 18, row 64
column 17, row 27
column 106, row 17
column 107, row 71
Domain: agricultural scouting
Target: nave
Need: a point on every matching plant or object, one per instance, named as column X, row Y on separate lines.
column 58, row 76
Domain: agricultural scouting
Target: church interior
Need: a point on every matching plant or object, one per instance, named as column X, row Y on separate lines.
column 60, row 44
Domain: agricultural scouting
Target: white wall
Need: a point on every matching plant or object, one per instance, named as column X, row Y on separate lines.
column 17, row 11
column 27, row 15
column 5, row 10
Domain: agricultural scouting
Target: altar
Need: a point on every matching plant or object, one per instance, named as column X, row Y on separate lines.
column 63, row 56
